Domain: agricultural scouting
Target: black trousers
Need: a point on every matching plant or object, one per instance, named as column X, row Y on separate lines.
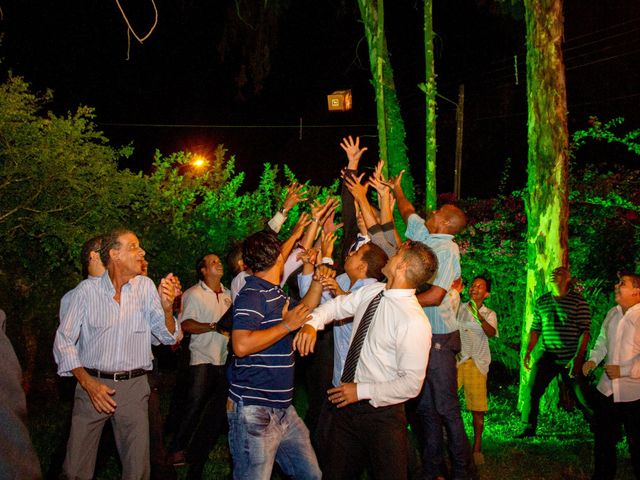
column 610, row 418
column 362, row 437
column 543, row 371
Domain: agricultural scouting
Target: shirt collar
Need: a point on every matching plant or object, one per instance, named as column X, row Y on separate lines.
column 206, row 287
column 443, row 236
column 399, row 292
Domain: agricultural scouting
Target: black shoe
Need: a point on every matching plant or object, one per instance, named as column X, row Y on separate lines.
column 526, row 433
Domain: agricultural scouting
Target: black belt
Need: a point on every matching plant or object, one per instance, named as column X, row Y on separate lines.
column 117, row 376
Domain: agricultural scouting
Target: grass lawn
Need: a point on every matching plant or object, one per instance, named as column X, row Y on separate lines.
column 562, row 449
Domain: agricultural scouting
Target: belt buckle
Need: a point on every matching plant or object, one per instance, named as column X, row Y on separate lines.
column 115, row 376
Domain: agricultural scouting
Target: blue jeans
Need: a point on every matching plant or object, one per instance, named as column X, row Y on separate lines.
column 439, row 406
column 259, row 435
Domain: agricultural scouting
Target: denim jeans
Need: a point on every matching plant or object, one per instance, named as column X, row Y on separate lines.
column 439, row 406
column 259, row 435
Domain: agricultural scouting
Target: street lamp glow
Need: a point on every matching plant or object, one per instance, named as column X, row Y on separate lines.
column 199, row 161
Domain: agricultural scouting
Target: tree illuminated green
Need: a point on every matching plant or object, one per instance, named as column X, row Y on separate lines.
column 391, row 131
column 429, row 89
column 546, row 199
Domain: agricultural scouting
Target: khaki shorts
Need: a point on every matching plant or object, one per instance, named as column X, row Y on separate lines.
column 475, row 386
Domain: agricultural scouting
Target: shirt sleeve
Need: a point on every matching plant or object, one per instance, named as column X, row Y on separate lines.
column 343, row 306
column 155, row 314
column 413, row 343
column 291, row 265
column 631, row 368
column 236, row 284
column 416, row 229
column 72, row 316
column 378, row 238
column 599, row 350
column 277, row 221
column 492, row 319
column 304, row 283
column 448, row 269
column 583, row 315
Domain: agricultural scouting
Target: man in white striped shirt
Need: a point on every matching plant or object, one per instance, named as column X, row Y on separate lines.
column 104, row 340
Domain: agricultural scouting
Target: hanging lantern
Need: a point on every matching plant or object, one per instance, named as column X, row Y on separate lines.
column 339, row 101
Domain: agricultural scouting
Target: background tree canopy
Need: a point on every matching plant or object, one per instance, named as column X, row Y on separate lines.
column 61, row 184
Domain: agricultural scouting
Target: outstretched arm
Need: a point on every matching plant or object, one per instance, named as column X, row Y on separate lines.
column 404, row 205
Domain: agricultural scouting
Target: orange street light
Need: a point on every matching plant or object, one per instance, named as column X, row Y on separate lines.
column 199, row 161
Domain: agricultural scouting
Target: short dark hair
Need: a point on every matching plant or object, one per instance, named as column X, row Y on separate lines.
column 635, row 277
column 422, row 263
column 487, row 282
column 375, row 258
column 200, row 264
column 233, row 257
column 260, row 251
column 94, row 244
column 111, row 241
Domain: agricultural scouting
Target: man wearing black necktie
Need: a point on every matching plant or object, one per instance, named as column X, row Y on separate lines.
column 385, row 366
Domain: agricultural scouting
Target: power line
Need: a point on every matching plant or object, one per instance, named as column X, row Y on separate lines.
column 168, row 125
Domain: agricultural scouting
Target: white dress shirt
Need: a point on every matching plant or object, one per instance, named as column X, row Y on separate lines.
column 97, row 332
column 619, row 342
column 394, row 356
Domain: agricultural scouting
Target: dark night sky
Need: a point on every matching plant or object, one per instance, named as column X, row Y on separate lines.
column 78, row 48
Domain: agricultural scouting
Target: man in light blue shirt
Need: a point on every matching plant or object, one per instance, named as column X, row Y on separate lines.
column 438, row 405
column 104, row 340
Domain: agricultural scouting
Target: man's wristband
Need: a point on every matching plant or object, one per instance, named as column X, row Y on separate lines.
column 284, row 324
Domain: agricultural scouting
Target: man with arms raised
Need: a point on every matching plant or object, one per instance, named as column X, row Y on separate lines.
column 385, row 366
column 439, row 406
column 104, row 340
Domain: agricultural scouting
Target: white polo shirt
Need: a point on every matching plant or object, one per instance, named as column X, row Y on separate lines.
column 203, row 305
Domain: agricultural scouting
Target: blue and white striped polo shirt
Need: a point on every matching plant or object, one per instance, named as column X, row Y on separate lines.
column 264, row 378
column 442, row 317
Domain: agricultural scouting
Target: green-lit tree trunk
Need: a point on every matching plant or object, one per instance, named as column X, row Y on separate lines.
column 429, row 89
column 547, row 187
column 391, row 132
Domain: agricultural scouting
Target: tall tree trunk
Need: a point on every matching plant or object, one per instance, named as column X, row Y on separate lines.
column 546, row 203
column 429, row 89
column 391, row 132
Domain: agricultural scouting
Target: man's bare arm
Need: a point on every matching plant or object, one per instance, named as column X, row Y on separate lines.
column 432, row 297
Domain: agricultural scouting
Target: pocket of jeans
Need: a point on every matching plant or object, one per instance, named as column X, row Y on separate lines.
column 257, row 419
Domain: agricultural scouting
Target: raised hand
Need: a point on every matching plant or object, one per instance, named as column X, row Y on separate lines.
column 301, row 224
column 358, row 190
column 295, row 195
column 353, row 151
column 329, row 225
column 167, row 290
column 327, row 241
column 321, row 211
column 396, row 182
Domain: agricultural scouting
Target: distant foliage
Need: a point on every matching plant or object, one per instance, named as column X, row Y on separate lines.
column 604, row 238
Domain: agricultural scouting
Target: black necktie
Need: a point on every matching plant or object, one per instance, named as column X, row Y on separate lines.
column 350, row 364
